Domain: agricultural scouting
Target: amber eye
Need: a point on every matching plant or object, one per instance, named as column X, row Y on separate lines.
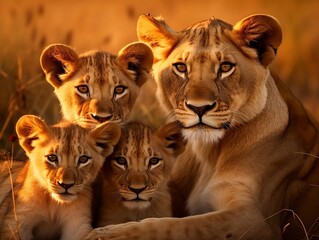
column 82, row 89
column 154, row 161
column 119, row 89
column 226, row 67
column 83, row 159
column 52, row 158
column 180, row 67
column 121, row 160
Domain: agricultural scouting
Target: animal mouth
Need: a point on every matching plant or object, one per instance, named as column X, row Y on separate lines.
column 201, row 125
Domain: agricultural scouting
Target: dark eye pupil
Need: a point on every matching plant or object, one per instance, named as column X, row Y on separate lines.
column 181, row 67
column 52, row 158
column 83, row 89
column 83, row 159
column 119, row 90
column 121, row 161
column 154, row 161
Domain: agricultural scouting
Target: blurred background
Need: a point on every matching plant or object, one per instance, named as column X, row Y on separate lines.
column 28, row 26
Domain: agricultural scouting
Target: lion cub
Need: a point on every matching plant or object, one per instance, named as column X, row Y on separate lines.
column 52, row 193
column 97, row 86
column 137, row 172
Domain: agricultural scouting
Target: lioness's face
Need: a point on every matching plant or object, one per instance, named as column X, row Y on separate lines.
column 212, row 76
column 211, row 89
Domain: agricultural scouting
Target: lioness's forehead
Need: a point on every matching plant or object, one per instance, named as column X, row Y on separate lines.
column 206, row 33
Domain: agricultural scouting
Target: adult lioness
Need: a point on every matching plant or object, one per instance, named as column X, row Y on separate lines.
column 250, row 160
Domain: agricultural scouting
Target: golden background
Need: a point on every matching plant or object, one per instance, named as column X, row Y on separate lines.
column 27, row 27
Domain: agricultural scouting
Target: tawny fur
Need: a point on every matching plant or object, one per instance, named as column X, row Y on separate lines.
column 136, row 188
column 96, row 86
column 42, row 207
column 251, row 158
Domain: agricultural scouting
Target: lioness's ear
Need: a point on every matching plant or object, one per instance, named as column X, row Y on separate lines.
column 171, row 137
column 30, row 129
column 137, row 57
column 261, row 32
column 58, row 62
column 156, row 33
column 106, row 136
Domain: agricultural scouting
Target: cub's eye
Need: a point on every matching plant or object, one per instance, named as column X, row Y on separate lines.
column 153, row 162
column 52, row 159
column 83, row 159
column 119, row 89
column 121, row 161
column 180, row 67
column 83, row 89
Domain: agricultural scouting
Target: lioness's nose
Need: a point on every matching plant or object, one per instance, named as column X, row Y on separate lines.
column 137, row 190
column 201, row 110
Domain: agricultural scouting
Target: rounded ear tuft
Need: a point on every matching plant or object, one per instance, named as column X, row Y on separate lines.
column 261, row 32
column 58, row 62
column 157, row 34
column 171, row 136
column 137, row 57
column 30, row 128
column 106, row 136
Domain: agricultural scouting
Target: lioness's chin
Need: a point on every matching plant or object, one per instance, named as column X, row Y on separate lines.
column 64, row 197
column 205, row 135
column 137, row 204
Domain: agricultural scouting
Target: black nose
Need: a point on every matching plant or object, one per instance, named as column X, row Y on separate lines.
column 137, row 190
column 66, row 186
column 200, row 111
column 102, row 119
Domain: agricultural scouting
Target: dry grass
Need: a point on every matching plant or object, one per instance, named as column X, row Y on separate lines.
column 31, row 25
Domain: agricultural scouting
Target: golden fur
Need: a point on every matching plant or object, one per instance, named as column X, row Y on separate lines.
column 52, row 192
column 136, row 174
column 96, row 86
column 250, row 161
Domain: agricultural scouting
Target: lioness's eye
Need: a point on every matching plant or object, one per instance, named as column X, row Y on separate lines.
column 82, row 89
column 119, row 89
column 180, row 67
column 83, row 159
column 226, row 67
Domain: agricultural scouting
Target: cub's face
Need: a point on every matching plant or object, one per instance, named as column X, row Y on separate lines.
column 97, row 86
column 65, row 159
column 142, row 160
column 212, row 76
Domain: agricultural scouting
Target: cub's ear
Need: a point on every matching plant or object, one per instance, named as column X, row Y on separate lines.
column 58, row 62
column 137, row 57
column 261, row 32
column 156, row 33
column 30, row 130
column 170, row 136
column 106, row 136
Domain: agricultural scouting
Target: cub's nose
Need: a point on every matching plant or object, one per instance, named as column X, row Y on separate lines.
column 102, row 119
column 66, row 186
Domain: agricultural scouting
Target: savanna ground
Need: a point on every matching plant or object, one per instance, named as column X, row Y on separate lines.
column 28, row 26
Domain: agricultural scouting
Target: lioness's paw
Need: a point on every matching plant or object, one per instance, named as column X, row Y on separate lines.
column 97, row 234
